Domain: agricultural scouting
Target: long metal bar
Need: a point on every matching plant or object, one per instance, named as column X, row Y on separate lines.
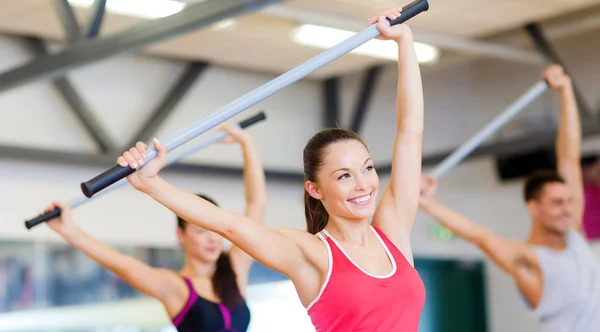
column 169, row 103
column 181, row 154
column 543, row 46
column 237, row 106
column 509, row 113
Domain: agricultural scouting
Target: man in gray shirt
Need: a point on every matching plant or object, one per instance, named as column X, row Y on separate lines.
column 555, row 270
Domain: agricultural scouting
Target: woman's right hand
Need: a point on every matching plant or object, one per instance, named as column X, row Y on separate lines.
column 63, row 224
column 134, row 158
column 428, row 189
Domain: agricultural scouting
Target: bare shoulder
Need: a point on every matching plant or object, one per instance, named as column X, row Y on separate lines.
column 309, row 275
column 311, row 245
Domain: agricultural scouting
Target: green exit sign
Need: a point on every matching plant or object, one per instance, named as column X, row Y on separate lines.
column 441, row 233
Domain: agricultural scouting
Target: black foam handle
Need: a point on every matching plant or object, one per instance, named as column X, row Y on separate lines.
column 118, row 172
column 411, row 10
column 252, row 120
column 95, row 185
column 42, row 218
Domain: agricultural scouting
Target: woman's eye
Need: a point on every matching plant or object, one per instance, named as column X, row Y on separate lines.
column 344, row 176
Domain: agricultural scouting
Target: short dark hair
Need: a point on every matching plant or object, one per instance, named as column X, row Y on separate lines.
column 182, row 223
column 535, row 182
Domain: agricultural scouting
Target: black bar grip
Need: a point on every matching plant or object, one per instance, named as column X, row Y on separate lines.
column 91, row 187
column 250, row 121
column 411, row 10
column 42, row 218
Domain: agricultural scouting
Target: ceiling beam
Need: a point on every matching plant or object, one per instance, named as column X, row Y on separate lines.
column 70, row 159
column 366, row 93
column 85, row 52
column 331, row 93
column 74, row 101
column 177, row 92
column 522, row 144
column 67, row 19
column 444, row 41
column 543, row 46
column 92, row 28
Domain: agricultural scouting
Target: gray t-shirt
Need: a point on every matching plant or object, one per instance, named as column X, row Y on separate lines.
column 570, row 299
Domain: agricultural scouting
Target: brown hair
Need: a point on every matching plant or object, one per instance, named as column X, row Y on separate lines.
column 314, row 153
column 224, row 281
column 535, row 182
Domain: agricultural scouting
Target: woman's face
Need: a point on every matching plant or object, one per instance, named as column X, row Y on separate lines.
column 347, row 183
column 201, row 244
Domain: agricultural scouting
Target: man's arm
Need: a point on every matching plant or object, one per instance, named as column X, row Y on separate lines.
column 514, row 258
column 568, row 140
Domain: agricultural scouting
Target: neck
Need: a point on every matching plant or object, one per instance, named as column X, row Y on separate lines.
column 354, row 231
column 543, row 237
column 194, row 268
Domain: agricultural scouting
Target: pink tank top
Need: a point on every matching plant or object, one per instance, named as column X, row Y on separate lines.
column 591, row 214
column 353, row 300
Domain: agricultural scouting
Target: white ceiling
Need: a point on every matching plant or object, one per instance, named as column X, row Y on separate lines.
column 261, row 41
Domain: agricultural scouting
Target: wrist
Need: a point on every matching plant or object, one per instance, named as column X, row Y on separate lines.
column 567, row 88
column 149, row 185
column 71, row 233
column 407, row 37
column 426, row 204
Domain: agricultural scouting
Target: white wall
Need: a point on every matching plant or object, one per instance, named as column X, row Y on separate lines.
column 123, row 90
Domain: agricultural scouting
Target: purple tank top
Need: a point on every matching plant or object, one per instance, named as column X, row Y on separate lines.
column 199, row 314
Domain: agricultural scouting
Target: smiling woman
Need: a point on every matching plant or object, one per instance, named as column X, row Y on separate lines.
column 350, row 239
column 356, row 182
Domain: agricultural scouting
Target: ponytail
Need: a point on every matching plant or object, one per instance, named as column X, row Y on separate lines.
column 225, row 283
column 315, row 213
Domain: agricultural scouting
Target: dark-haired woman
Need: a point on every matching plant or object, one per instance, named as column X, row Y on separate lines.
column 207, row 294
column 353, row 269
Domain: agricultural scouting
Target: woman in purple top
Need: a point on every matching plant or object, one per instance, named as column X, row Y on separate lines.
column 207, row 294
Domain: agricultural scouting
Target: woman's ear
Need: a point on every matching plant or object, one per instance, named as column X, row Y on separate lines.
column 313, row 190
column 180, row 236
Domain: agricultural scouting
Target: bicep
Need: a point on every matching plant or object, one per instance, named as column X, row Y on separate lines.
column 271, row 248
column 162, row 284
column 401, row 199
column 507, row 254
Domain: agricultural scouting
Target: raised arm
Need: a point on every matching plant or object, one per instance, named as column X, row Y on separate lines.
column 256, row 197
column 277, row 250
column 162, row 284
column 568, row 140
column 398, row 206
column 512, row 257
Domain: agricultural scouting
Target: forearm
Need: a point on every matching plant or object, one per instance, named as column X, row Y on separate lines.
column 98, row 251
column 409, row 103
column 568, row 144
column 459, row 224
column 188, row 206
column 254, row 176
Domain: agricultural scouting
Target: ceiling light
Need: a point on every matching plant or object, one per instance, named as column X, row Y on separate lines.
column 224, row 24
column 150, row 9
column 325, row 38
